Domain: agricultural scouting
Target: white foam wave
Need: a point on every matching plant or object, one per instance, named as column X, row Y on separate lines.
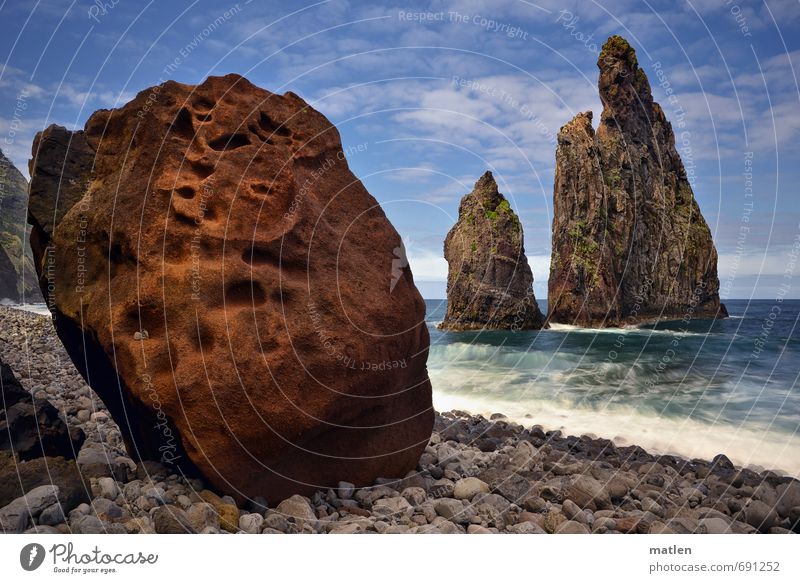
column 744, row 445
column 40, row 309
column 569, row 328
column 464, row 353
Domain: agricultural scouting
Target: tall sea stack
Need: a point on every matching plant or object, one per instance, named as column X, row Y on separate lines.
column 489, row 281
column 629, row 242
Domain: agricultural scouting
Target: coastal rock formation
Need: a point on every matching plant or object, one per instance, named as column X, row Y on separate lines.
column 8, row 278
column 629, row 242
column 17, row 274
column 489, row 281
column 31, row 427
column 231, row 291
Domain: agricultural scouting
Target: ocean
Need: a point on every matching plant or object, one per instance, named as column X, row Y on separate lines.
column 695, row 390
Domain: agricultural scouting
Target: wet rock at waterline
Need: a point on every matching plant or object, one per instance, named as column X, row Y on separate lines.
column 231, row 291
column 629, row 242
column 489, row 281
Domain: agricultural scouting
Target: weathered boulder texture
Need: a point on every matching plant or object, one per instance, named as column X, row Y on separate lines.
column 629, row 242
column 489, row 281
column 226, row 285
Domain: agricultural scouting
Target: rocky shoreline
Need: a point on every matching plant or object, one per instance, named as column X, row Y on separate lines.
column 477, row 475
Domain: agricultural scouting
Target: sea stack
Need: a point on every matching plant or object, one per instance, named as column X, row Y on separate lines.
column 629, row 242
column 229, row 289
column 17, row 275
column 489, row 281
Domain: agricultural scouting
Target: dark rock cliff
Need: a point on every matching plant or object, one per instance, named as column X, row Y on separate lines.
column 629, row 242
column 489, row 283
column 17, row 274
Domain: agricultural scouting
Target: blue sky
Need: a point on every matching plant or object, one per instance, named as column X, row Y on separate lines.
column 428, row 95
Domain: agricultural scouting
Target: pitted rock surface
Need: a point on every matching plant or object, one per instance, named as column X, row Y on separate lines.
column 232, row 291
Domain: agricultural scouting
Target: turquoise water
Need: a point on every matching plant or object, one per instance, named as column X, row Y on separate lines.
column 726, row 386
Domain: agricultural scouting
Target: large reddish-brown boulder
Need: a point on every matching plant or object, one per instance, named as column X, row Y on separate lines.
column 231, row 290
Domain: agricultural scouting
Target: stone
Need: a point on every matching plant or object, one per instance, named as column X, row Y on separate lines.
column 526, row 528
column 477, row 529
column 604, row 524
column 628, row 524
column 108, row 488
column 759, row 515
column 414, row 495
column 451, row 509
column 140, row 525
column 788, row 497
column 535, row 504
column 345, row 490
column 650, row 505
column 41, row 529
column 507, row 483
column 93, row 525
column 794, row 518
column 629, row 241
column 169, row 519
column 241, row 205
column 108, row 511
column 251, row 523
column 347, row 528
column 201, row 515
column 156, row 494
column 397, row 507
column 659, row 527
column 571, row 527
column 489, row 281
column 15, row 516
column 52, row 515
column 526, row 516
column 524, row 455
column 228, row 513
column 573, row 512
column 715, row 525
column 97, row 461
column 30, row 427
column 679, row 524
column 151, row 470
column 442, row 525
column 467, row 488
column 552, row 520
column 16, row 478
column 297, row 508
column 587, row 492
column 34, row 501
column 442, row 488
column 277, row 522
